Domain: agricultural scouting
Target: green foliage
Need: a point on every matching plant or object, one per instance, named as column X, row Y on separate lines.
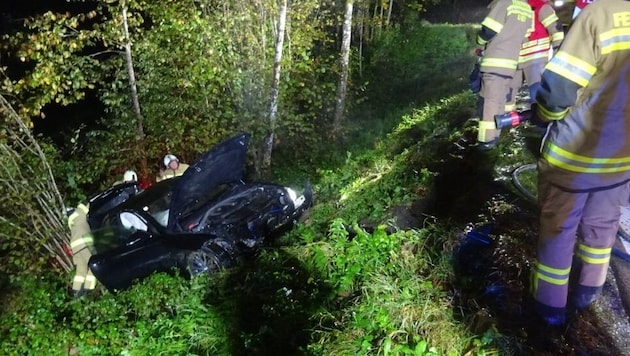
column 133, row 322
column 419, row 65
column 48, row 47
column 333, row 286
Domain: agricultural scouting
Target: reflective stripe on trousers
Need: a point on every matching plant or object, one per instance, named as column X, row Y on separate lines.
column 580, row 224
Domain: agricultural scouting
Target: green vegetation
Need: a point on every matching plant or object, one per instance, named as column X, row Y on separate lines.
column 367, row 272
column 328, row 287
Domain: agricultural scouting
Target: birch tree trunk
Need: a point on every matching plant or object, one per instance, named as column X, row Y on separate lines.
column 343, row 79
column 389, row 12
column 275, row 87
column 134, row 95
column 360, row 15
column 374, row 21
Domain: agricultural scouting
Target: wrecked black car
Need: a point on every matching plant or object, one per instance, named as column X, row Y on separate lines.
column 199, row 222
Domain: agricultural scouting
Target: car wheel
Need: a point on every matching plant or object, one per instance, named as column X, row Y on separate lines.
column 211, row 257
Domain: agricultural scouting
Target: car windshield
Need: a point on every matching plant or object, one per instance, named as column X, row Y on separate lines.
column 154, row 202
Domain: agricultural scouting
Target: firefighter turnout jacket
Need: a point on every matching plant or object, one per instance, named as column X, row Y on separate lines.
column 535, row 51
column 584, row 168
column 584, row 93
column 171, row 173
column 547, row 34
column 502, row 32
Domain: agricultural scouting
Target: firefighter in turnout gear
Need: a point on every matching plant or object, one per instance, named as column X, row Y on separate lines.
column 502, row 32
column 584, row 168
column 80, row 242
column 534, row 54
column 172, row 168
column 130, row 176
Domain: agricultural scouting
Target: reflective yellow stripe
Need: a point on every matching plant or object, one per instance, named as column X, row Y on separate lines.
column 558, row 271
column 534, row 48
column 595, row 250
column 593, row 260
column 617, row 39
column 593, row 255
column 557, row 37
column 556, row 281
column 520, row 9
column 563, row 274
column 540, row 41
column 499, row 63
column 534, row 56
column 549, row 20
column 560, row 157
column 492, row 24
column 482, row 131
column 83, row 241
column 589, row 160
column 572, row 68
column 551, row 115
column 90, row 282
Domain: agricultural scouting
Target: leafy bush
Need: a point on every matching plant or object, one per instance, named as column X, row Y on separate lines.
column 348, row 280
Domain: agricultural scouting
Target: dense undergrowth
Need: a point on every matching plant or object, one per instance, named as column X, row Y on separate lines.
column 370, row 270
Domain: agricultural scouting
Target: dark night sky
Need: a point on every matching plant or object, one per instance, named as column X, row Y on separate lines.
column 14, row 10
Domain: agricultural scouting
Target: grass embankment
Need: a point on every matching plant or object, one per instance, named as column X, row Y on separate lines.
column 369, row 271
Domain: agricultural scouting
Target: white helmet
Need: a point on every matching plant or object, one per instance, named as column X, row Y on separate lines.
column 168, row 158
column 130, row 176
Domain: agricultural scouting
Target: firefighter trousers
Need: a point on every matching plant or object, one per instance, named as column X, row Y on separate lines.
column 531, row 74
column 577, row 230
column 493, row 97
column 83, row 279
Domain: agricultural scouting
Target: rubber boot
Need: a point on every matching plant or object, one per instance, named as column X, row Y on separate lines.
column 584, row 296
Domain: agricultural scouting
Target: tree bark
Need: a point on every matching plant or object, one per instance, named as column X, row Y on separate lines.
column 343, row 79
column 134, row 96
column 275, row 91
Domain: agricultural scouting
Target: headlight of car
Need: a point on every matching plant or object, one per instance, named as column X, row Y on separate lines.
column 297, row 201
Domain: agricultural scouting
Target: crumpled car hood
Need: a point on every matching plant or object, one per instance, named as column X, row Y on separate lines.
column 223, row 164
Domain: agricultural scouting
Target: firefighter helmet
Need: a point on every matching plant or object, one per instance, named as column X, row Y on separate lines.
column 168, row 158
column 130, row 176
